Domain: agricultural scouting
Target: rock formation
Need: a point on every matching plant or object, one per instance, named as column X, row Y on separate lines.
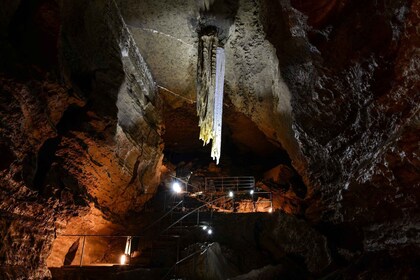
column 327, row 90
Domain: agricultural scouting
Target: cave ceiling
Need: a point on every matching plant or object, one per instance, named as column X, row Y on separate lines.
column 167, row 35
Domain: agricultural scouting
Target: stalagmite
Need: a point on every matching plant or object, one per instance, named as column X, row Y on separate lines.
column 210, row 79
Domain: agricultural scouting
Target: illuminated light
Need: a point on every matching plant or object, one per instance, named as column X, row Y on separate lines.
column 196, row 194
column 230, row 194
column 270, row 210
column 204, row 227
column 176, row 187
column 209, row 232
column 123, row 259
column 251, row 192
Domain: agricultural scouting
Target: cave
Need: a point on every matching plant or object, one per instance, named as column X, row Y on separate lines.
column 209, row 139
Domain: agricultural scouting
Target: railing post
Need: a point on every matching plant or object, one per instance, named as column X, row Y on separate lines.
column 271, row 201
column 211, row 209
column 223, row 185
column 177, row 249
column 83, row 250
column 253, row 203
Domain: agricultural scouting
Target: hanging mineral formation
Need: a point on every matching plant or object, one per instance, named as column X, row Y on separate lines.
column 210, row 76
column 204, row 5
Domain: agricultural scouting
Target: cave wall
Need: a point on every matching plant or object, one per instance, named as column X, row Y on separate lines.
column 80, row 135
column 352, row 70
column 28, row 217
column 335, row 83
column 253, row 80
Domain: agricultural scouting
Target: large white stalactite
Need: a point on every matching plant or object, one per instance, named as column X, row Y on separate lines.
column 210, row 79
column 218, row 105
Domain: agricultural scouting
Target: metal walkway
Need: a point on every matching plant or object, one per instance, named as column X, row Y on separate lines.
column 226, row 184
column 159, row 247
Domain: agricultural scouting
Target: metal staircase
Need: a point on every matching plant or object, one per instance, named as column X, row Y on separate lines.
column 187, row 220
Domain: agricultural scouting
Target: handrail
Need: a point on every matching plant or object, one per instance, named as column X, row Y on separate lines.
column 104, row 235
column 229, row 183
column 166, row 214
column 184, row 259
column 146, row 229
column 151, row 225
column 185, row 182
column 189, row 213
column 97, row 235
column 252, row 198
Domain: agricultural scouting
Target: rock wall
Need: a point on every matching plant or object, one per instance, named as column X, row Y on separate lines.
column 253, row 80
column 352, row 70
column 29, row 209
column 81, row 139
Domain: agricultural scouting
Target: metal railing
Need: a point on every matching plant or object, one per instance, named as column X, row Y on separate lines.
column 241, row 202
column 224, row 184
column 117, row 243
column 158, row 221
column 196, row 210
column 107, row 250
column 192, row 255
column 245, row 195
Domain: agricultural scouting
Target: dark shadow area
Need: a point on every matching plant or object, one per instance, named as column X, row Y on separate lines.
column 34, row 32
column 7, row 156
column 74, row 118
column 45, row 158
column 220, row 16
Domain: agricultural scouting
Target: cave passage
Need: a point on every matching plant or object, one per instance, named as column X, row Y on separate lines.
column 246, row 152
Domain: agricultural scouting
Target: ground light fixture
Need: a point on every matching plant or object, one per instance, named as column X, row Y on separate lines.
column 251, row 192
column 230, row 194
column 123, row 259
column 207, row 229
column 176, row 187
